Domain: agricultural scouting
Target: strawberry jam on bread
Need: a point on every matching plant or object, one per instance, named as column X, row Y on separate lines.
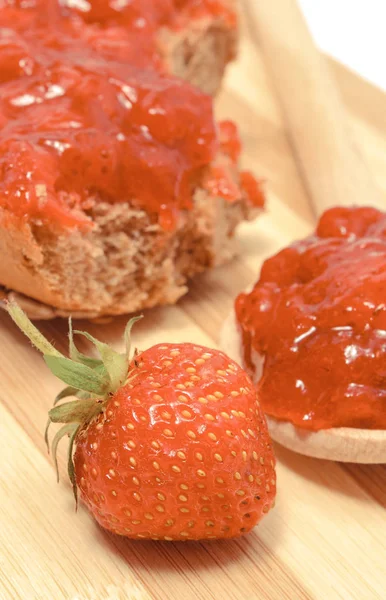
column 115, row 186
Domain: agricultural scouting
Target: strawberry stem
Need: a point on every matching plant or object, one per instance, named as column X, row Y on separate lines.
column 32, row 333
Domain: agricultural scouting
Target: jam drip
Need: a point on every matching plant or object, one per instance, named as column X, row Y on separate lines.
column 318, row 317
column 87, row 112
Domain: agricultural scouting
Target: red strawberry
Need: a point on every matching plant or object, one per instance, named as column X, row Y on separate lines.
column 172, row 445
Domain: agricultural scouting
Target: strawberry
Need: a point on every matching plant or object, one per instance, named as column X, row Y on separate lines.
column 170, row 445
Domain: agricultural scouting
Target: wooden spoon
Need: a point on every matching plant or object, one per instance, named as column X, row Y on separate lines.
column 344, row 444
column 334, row 174
column 330, row 164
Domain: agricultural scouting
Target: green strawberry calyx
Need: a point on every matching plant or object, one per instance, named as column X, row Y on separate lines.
column 90, row 381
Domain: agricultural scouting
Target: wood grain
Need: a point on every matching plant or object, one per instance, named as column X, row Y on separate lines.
column 325, row 539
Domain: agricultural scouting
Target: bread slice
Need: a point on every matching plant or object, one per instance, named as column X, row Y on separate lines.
column 342, row 444
column 127, row 262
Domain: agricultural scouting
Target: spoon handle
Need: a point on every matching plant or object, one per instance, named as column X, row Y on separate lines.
column 328, row 158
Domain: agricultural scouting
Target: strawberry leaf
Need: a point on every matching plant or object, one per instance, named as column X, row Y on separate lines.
column 77, row 356
column 65, row 393
column 127, row 334
column 74, row 412
column 77, row 375
column 46, row 434
column 116, row 364
column 70, row 465
column 68, row 429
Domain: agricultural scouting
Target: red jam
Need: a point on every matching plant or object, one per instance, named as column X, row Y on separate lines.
column 318, row 317
column 252, row 188
column 87, row 112
column 219, row 181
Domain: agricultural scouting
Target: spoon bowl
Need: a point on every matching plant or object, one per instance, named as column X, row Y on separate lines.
column 344, row 444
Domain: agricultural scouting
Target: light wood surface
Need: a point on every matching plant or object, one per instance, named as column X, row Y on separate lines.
column 325, row 539
column 329, row 158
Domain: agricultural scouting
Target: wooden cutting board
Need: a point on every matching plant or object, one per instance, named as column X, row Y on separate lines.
column 326, row 537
